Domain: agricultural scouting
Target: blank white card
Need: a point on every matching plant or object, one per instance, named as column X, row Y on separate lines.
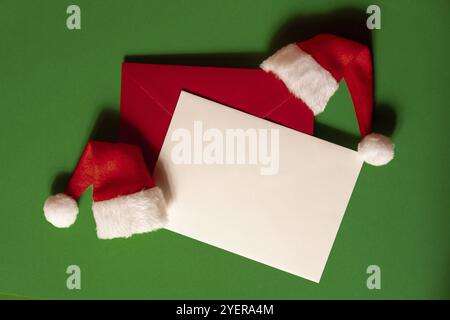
column 279, row 207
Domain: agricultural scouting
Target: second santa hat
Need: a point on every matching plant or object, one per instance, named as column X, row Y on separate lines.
column 126, row 200
column 312, row 70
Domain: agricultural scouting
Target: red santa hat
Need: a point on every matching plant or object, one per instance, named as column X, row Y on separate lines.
column 126, row 200
column 312, row 70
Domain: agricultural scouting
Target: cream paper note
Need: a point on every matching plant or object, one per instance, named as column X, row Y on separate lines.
column 285, row 215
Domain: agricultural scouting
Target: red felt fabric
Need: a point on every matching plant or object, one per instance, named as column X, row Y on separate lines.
column 150, row 93
column 351, row 61
column 113, row 169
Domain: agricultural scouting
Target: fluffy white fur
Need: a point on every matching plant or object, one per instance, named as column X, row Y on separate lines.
column 61, row 210
column 303, row 76
column 124, row 216
column 376, row 149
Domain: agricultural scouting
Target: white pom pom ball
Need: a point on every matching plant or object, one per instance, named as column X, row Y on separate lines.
column 376, row 149
column 61, row 210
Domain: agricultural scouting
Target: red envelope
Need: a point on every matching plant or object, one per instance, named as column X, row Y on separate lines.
column 150, row 93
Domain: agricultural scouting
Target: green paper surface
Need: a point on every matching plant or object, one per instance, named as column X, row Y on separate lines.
column 59, row 87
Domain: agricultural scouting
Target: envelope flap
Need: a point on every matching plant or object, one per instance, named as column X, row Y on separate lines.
column 158, row 88
column 164, row 83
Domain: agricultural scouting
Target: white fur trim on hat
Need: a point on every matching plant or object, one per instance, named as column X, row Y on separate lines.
column 376, row 149
column 303, row 76
column 135, row 213
column 60, row 210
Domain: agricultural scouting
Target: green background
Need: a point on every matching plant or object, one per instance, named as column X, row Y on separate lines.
column 55, row 85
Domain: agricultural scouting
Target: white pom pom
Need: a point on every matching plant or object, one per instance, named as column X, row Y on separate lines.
column 61, row 210
column 376, row 149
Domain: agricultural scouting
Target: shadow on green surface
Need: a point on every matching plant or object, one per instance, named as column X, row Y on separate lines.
column 60, row 183
column 106, row 127
column 226, row 60
column 345, row 22
column 384, row 119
